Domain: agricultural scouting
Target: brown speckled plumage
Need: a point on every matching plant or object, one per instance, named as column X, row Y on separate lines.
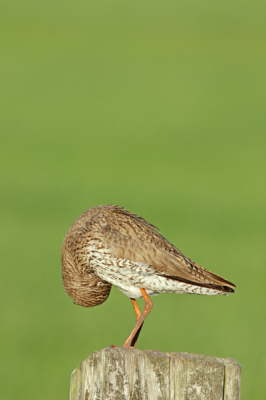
column 109, row 245
column 80, row 282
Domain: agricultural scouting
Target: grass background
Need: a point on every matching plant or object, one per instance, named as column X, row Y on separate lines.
column 155, row 106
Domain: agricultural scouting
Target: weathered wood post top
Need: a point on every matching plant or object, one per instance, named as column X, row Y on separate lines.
column 132, row 374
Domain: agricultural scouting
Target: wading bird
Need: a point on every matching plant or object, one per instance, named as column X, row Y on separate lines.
column 108, row 245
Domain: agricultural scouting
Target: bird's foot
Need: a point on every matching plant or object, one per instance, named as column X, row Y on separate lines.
column 127, row 347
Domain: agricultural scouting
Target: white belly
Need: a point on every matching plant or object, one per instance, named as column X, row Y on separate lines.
column 129, row 277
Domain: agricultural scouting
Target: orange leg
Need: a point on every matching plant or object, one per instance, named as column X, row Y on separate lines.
column 138, row 314
column 132, row 339
column 136, row 308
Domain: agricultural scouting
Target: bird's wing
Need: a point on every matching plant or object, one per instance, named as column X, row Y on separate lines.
column 131, row 237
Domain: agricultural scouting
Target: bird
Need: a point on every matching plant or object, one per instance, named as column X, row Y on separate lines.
column 108, row 245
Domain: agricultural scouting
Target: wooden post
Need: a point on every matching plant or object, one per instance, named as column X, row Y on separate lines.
column 132, row 374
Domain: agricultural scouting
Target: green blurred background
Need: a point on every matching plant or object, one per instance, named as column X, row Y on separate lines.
column 157, row 106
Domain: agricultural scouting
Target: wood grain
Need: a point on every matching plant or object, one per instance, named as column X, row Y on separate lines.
column 123, row 374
